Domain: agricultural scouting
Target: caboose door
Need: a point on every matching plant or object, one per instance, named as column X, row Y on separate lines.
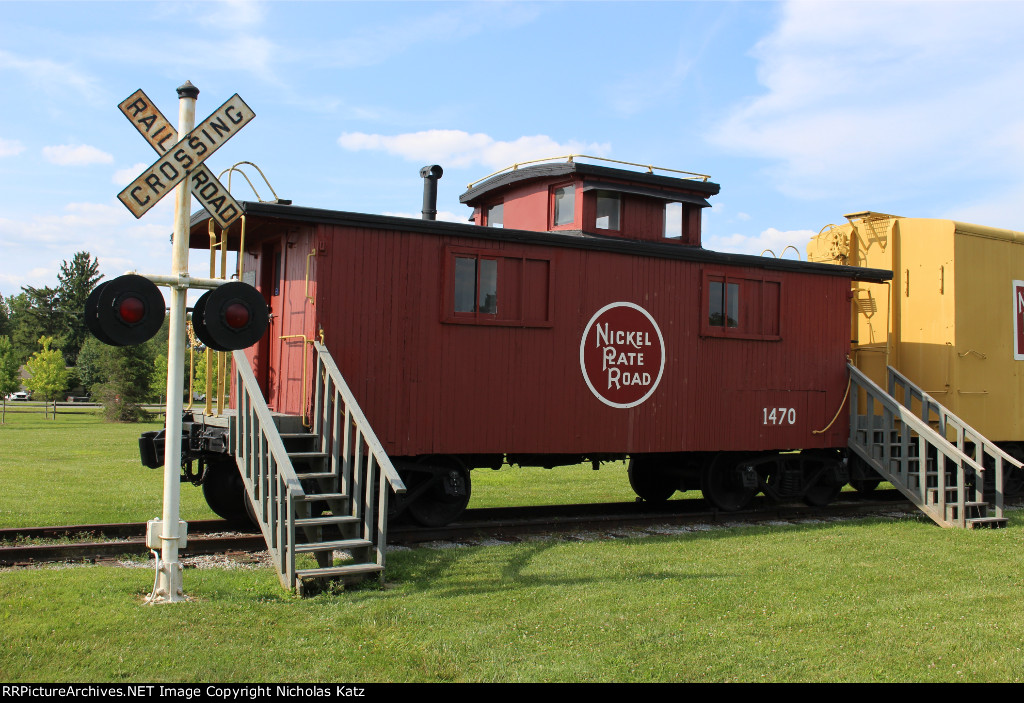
column 273, row 256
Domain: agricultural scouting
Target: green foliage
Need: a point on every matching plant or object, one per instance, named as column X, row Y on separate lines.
column 53, row 312
column 76, row 280
column 126, row 372
column 9, row 379
column 5, row 318
column 48, row 377
column 26, row 327
column 158, row 378
column 200, row 382
column 89, row 367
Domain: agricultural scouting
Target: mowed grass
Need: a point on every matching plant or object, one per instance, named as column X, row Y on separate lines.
column 864, row 600
column 78, row 469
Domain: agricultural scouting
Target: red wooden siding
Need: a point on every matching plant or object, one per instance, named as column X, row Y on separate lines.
column 429, row 386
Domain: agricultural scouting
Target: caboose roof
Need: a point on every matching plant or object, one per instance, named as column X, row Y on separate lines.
column 263, row 216
column 603, row 177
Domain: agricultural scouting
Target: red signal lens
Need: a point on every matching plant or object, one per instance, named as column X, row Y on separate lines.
column 236, row 316
column 131, row 309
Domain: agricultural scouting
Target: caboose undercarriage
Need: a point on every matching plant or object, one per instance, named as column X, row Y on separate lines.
column 439, row 487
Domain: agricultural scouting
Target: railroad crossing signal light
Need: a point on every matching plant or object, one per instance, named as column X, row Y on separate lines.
column 233, row 316
column 125, row 311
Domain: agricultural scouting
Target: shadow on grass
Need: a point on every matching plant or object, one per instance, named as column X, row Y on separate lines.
column 464, row 570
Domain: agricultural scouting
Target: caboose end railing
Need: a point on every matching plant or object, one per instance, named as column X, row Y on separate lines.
column 353, row 453
column 267, row 472
column 938, row 476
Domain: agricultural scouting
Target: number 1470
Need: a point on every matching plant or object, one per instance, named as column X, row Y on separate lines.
column 779, row 416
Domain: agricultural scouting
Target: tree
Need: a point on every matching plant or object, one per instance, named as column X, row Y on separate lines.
column 76, row 280
column 200, row 382
column 5, row 318
column 126, row 372
column 48, row 376
column 26, row 328
column 9, row 379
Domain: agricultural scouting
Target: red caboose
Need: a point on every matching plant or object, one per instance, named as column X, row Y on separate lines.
column 577, row 318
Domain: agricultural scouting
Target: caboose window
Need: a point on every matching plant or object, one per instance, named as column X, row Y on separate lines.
column 741, row 307
column 608, row 207
column 564, row 206
column 672, row 227
column 496, row 215
column 476, row 285
column 724, row 306
column 475, row 278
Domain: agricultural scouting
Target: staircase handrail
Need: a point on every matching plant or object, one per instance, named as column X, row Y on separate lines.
column 964, row 431
column 280, row 537
column 373, row 444
column 923, row 429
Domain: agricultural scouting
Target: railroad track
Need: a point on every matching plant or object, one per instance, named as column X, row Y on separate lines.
column 92, row 543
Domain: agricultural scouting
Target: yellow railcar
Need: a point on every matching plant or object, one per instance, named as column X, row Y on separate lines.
column 951, row 319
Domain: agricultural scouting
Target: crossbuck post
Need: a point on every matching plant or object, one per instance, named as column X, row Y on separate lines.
column 169, row 583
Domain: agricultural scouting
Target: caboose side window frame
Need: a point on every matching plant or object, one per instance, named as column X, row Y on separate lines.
column 562, row 208
column 741, row 306
column 520, row 288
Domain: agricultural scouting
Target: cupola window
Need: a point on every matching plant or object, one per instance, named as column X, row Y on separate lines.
column 565, row 206
column 609, row 206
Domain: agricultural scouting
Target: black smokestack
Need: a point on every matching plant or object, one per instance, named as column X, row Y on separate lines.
column 430, row 175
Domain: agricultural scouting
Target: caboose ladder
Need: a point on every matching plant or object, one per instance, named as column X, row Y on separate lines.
column 292, row 475
column 905, row 441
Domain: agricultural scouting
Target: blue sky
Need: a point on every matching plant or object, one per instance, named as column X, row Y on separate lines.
column 801, row 111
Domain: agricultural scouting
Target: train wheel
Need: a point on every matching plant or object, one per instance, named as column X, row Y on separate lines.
column 446, row 494
column 863, row 478
column 726, row 485
column 822, row 493
column 649, row 481
column 225, row 493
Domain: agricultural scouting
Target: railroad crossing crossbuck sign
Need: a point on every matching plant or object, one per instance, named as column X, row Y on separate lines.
column 184, row 158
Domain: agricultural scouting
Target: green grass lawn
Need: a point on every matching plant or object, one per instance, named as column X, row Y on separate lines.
column 79, row 469
column 862, row 600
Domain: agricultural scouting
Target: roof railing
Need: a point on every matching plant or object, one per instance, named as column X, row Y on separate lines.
column 570, row 158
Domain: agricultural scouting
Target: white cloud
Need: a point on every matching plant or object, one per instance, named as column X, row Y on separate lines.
column 770, row 241
column 901, row 94
column 53, row 77
column 458, row 149
column 10, row 147
column 80, row 155
column 124, row 176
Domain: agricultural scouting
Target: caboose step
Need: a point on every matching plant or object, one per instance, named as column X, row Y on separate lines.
column 324, row 520
column 333, row 545
column 993, row 523
column 347, row 570
column 306, row 456
column 313, row 497
column 314, row 474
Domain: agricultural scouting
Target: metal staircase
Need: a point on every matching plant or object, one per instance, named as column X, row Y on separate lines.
column 320, row 491
column 934, row 458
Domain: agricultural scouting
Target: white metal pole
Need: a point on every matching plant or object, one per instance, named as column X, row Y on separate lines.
column 169, row 585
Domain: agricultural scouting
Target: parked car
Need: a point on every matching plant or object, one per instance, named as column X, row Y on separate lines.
column 19, row 395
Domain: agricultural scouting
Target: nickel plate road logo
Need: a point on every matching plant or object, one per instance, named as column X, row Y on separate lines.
column 622, row 355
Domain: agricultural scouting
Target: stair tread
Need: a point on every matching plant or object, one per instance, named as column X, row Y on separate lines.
column 332, row 545
column 325, row 520
column 307, row 455
column 325, row 496
column 339, row 570
column 315, row 474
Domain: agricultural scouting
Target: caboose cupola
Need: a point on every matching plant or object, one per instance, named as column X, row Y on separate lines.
column 566, row 195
